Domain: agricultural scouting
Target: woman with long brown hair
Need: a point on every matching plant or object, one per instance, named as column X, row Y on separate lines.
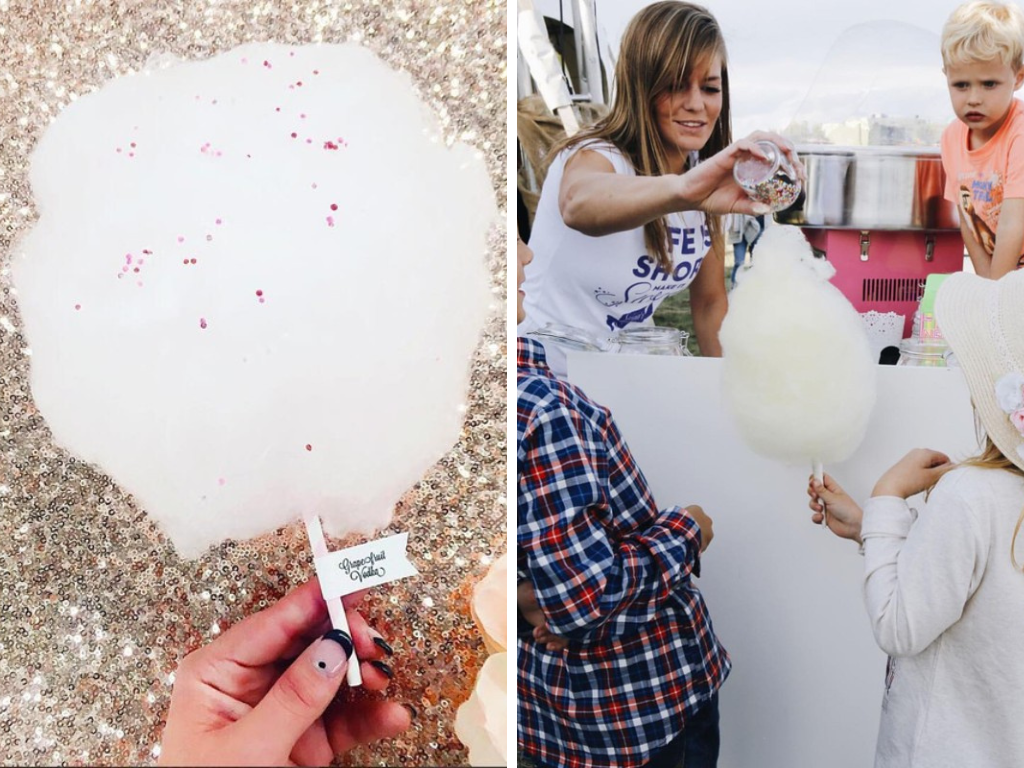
column 628, row 214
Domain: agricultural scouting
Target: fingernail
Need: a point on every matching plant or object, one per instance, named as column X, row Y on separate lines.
column 332, row 652
column 383, row 668
column 412, row 710
column 383, row 644
column 760, row 208
column 342, row 638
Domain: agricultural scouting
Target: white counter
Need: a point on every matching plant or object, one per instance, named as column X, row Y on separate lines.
column 784, row 594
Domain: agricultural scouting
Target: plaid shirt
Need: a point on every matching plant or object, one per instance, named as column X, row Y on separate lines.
column 612, row 574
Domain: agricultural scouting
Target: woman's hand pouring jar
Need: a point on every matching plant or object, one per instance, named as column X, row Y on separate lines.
column 772, row 181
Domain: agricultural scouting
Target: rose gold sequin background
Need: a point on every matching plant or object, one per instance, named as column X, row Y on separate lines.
column 95, row 606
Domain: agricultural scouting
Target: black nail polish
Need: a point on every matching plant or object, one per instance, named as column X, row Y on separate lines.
column 412, row 710
column 342, row 638
column 383, row 668
column 381, row 643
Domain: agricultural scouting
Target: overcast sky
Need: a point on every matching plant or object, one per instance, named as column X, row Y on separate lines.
column 822, row 62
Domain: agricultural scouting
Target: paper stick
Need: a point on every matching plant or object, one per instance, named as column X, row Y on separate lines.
column 819, row 475
column 335, row 607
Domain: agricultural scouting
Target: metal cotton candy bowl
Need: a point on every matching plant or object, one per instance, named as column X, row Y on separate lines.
column 872, row 188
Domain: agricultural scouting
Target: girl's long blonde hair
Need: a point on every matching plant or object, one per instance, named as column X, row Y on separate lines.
column 992, row 458
column 661, row 48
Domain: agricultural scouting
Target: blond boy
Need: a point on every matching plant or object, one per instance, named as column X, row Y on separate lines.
column 983, row 149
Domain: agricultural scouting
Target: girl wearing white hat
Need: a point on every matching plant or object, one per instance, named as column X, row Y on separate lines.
column 944, row 589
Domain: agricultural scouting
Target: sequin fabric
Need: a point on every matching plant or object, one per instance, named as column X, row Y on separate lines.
column 96, row 608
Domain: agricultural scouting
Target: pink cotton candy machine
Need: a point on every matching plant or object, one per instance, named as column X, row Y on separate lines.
column 879, row 216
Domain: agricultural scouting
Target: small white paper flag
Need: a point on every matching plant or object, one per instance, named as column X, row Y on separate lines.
column 364, row 566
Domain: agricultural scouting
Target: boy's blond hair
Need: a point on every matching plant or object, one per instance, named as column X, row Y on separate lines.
column 983, row 30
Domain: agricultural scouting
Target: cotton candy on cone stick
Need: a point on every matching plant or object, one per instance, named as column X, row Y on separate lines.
column 255, row 288
column 797, row 373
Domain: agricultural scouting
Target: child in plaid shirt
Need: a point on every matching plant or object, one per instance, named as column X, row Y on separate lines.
column 637, row 681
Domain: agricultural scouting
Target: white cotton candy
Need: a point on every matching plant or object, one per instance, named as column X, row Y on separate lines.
column 797, row 372
column 314, row 356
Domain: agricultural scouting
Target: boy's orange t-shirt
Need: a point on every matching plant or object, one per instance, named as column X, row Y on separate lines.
column 977, row 181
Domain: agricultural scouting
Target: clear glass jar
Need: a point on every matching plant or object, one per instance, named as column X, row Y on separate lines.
column 569, row 337
column 651, row 340
column 773, row 181
column 924, row 353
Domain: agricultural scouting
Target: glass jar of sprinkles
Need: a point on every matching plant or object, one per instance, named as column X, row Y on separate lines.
column 773, row 181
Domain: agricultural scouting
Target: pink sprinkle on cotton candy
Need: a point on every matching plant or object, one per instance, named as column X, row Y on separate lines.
column 330, row 221
column 202, row 322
